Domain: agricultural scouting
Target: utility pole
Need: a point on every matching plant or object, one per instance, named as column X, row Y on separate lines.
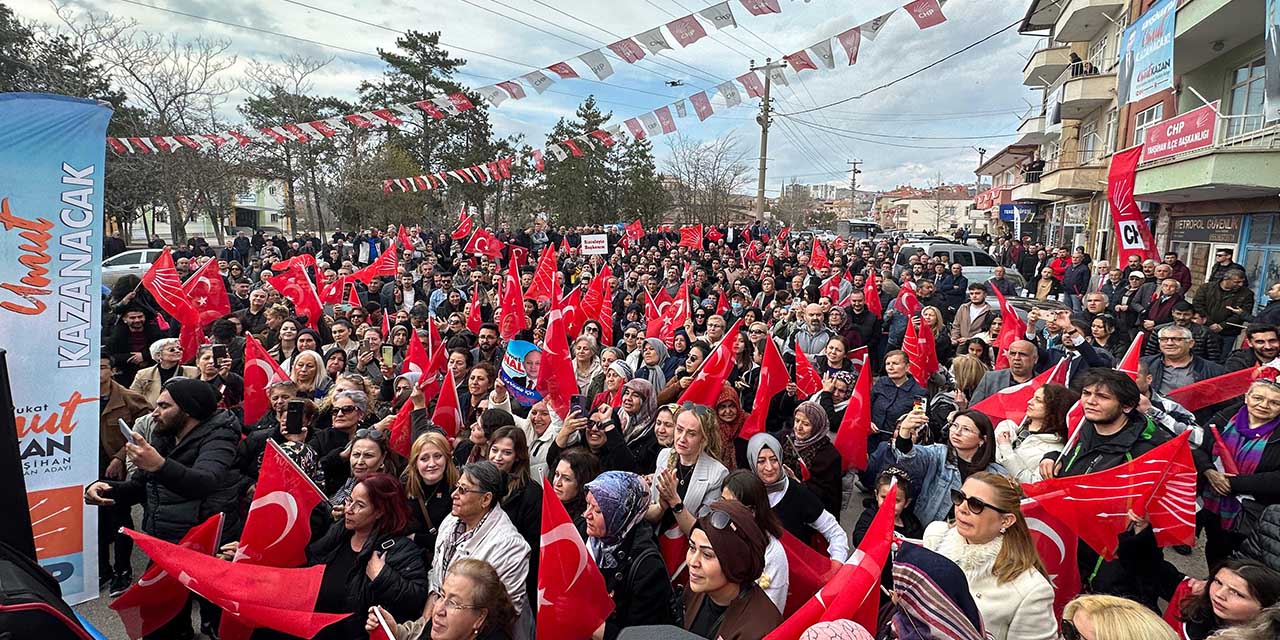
column 763, row 120
column 853, row 188
column 977, row 177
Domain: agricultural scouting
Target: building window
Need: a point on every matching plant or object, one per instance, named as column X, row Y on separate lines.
column 1098, row 54
column 1089, row 141
column 1110, row 141
column 1145, row 120
column 1247, row 93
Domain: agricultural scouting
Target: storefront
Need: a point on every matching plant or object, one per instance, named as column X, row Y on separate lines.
column 1066, row 223
column 1261, row 232
column 1196, row 239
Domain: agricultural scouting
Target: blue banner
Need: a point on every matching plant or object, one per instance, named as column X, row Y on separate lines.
column 1146, row 54
column 51, row 183
column 1017, row 211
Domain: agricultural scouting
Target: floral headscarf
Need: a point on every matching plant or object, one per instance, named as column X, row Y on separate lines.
column 623, row 500
column 638, row 425
column 729, row 430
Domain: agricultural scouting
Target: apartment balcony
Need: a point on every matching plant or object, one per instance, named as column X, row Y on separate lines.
column 1031, row 191
column 1243, row 162
column 1081, row 173
column 1031, row 131
column 1085, row 89
column 1081, row 20
column 1045, row 64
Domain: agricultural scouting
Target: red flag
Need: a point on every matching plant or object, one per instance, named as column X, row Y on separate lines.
column 761, row 7
column 872, row 295
column 635, row 230
column 1199, row 395
column 571, row 305
column 752, row 255
column 519, row 254
column 1129, row 363
column 1012, row 328
column 926, row 13
column 1056, row 544
column 800, row 61
column 831, row 287
column 278, row 537
column 511, row 318
column 416, row 358
column 556, row 381
column 818, row 256
column 809, row 571
column 474, row 320
column 907, row 301
column 465, row 226
column 714, row 234
column 855, row 426
column 448, row 413
column 722, row 303
column 401, row 440
column 166, row 287
column 671, row 316
column 922, row 351
column 572, row 599
column 404, row 239
column 691, row 237
column 304, row 260
column 386, row 325
column 258, row 596
column 543, row 288
column 260, row 371
column 207, row 293
column 1133, row 235
column 296, row 286
column 484, row 243
column 673, row 544
column 807, row 379
column 1010, row 403
column 385, row 266
column 596, row 306
column 773, row 380
column 353, row 299
column 710, row 377
column 1160, row 486
column 158, row 596
column 332, row 293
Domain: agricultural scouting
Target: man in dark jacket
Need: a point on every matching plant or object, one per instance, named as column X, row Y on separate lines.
column 1176, row 366
column 1113, row 433
column 1205, row 344
column 1264, row 346
column 953, row 287
column 1222, row 263
column 1075, row 281
column 1224, row 306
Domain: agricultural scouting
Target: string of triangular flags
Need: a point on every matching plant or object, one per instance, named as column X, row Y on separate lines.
column 683, row 31
column 660, row 121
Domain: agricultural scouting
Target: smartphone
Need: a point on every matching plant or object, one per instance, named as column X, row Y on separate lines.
column 127, row 432
column 293, row 417
column 346, row 292
column 220, row 352
column 388, row 355
column 918, row 405
column 578, row 402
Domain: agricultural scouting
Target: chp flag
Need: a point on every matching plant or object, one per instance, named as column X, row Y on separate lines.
column 51, row 232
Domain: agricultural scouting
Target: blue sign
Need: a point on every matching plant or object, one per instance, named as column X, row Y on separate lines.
column 520, row 366
column 1146, row 54
column 1021, row 211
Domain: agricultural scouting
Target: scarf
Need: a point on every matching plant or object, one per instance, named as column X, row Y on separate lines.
column 755, row 445
column 640, row 424
column 1246, row 445
column 654, row 373
column 623, row 500
column 729, row 430
column 805, row 449
column 460, row 536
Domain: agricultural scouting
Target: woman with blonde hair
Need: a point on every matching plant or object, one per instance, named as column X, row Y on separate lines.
column 1100, row 617
column 967, row 371
column 932, row 319
column 307, row 370
column 429, row 479
column 989, row 541
column 689, row 472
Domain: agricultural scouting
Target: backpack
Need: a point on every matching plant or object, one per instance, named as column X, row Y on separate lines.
column 31, row 601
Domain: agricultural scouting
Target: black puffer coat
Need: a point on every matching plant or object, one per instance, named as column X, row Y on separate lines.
column 401, row 587
column 1264, row 544
column 198, row 479
column 640, row 585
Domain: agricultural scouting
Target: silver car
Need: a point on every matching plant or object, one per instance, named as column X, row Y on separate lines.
column 135, row 262
column 978, row 265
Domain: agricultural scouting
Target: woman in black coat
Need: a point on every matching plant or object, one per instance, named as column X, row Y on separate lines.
column 509, row 452
column 429, row 480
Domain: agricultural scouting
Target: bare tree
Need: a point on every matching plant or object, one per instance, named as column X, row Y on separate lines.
column 941, row 210
column 705, row 176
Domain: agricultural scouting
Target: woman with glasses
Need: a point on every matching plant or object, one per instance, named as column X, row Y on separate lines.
column 367, row 559
column 575, row 468
column 970, row 448
column 699, row 321
column 347, row 413
column 688, row 476
column 1233, row 501
column 683, row 376
column 476, row 528
column 799, row 509
column 1021, row 448
column 808, row 447
column 473, row 605
column 989, row 540
column 429, row 479
column 1102, row 335
column 745, row 487
column 625, row 549
column 167, row 353
column 725, row 559
column 616, row 373
column 308, row 372
column 1103, row 617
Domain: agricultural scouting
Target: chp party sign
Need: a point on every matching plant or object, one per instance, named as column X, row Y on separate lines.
column 51, row 183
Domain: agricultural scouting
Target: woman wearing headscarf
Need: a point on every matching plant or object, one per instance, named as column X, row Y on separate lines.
column 725, row 558
column 809, row 448
column 624, row 547
column 653, row 363
column 729, row 413
column 616, row 374
column 799, row 510
column 838, row 323
column 635, row 419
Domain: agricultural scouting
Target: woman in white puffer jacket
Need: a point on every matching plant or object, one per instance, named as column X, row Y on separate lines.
column 1022, row 448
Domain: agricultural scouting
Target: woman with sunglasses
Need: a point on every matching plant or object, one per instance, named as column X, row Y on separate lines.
column 367, row 559
column 725, row 559
column 688, row 476
column 682, row 377
column 1103, row 617
column 348, row 413
column 1021, row 448
column 476, row 528
column 799, row 509
column 625, row 549
column 167, row 354
column 989, row 540
column 473, row 605
column 809, row 445
column 970, row 448
column 743, row 486
column 1233, row 502
column 1235, row 595
column 429, row 479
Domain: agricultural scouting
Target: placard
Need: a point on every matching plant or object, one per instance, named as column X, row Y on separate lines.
column 596, row 244
column 1146, row 54
column 521, row 364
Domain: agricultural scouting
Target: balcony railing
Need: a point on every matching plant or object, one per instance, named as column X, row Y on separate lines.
column 1094, row 151
column 1083, row 69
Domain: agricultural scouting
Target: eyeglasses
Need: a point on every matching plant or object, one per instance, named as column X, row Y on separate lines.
column 629, row 336
column 464, row 491
column 1172, row 338
column 344, row 410
column 721, row 520
column 975, row 505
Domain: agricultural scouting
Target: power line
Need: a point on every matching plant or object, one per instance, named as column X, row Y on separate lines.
column 899, row 136
column 839, row 133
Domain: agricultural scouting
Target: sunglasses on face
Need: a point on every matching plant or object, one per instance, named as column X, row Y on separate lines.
column 371, row 434
column 975, row 505
column 345, row 410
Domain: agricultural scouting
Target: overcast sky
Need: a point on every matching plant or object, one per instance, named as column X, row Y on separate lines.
column 979, row 93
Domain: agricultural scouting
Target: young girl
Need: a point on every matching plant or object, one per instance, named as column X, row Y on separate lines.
column 905, row 522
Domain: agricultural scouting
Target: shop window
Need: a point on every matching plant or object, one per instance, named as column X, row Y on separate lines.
column 1146, row 119
column 1247, row 95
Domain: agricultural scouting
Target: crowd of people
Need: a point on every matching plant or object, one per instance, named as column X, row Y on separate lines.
column 444, row 543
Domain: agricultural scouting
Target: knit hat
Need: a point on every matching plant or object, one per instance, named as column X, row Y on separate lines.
column 194, row 396
column 738, row 542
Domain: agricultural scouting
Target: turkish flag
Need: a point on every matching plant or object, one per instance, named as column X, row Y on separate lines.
column 465, row 225
column 831, row 287
column 713, row 372
column 872, row 295
column 260, row 371
column 1010, row 403
column 278, row 537
column 1056, row 545
column 752, row 255
column 722, row 304
column 807, row 379
column 165, row 285
column 473, row 312
column 691, row 237
column 484, row 243
column 673, row 544
column 855, row 426
column 511, row 318
column 1159, row 485
column 926, row 13
column 854, row 592
column 296, row 286
column 1199, row 395
column 596, row 304
column 158, row 596
column 714, row 234
column 907, row 302
column 634, row 230
column 543, row 287
column 519, row 254
column 572, row 599
column 386, row 266
column 773, row 380
column 671, row 317
column 402, row 429
column 571, row 305
column 818, row 256
column 257, row 596
column 331, row 293
column 922, row 351
column 1012, row 328
column 437, row 355
column 448, row 412
column 416, row 358
column 557, row 382
column 386, row 325
column 405, row 241
column 207, row 293
column 809, row 571
column 1129, row 363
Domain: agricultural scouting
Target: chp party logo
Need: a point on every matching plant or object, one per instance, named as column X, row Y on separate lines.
column 57, row 525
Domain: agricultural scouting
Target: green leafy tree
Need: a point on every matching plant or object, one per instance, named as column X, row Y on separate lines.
column 582, row 189
column 641, row 193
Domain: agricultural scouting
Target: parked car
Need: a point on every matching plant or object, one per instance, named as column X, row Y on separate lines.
column 978, row 264
column 134, row 262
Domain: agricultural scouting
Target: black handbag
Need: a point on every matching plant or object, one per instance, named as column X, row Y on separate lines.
column 31, row 604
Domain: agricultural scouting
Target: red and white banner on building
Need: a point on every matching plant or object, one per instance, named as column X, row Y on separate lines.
column 1187, row 132
column 1133, row 236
